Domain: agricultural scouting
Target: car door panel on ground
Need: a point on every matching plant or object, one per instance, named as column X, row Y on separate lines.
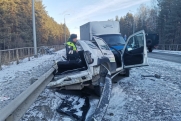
column 135, row 51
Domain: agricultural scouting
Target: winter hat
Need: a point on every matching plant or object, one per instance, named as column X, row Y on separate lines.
column 73, row 36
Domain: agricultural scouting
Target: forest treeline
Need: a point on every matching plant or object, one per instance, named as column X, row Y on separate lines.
column 163, row 17
column 16, row 25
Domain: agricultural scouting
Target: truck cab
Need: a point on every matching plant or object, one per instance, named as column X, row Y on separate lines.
column 115, row 41
column 109, row 32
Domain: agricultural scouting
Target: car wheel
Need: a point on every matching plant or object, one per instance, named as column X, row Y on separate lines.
column 126, row 74
column 150, row 50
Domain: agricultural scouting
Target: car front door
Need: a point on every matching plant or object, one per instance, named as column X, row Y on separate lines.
column 107, row 53
column 135, row 51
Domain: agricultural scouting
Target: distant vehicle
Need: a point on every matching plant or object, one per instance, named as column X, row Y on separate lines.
column 152, row 41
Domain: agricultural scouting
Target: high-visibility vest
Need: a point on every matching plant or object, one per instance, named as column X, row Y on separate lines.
column 72, row 45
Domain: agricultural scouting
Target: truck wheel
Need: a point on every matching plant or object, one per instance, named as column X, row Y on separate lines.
column 150, row 50
column 126, row 74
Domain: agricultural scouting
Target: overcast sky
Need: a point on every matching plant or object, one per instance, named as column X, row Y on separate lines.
column 83, row 11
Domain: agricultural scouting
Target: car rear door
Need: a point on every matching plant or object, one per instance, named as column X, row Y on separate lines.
column 135, row 51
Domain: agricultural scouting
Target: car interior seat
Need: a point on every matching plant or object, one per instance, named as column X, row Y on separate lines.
column 72, row 65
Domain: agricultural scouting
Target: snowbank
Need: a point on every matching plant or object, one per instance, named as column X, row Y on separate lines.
column 14, row 79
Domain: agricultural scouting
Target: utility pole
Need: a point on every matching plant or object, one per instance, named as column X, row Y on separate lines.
column 65, row 28
column 34, row 29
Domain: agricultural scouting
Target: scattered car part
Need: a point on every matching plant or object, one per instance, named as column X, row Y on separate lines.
column 156, row 76
column 75, row 107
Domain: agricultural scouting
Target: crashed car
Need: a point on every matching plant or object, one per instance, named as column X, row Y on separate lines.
column 99, row 60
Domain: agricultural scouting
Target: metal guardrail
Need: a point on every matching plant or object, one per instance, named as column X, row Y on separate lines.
column 10, row 55
column 173, row 47
column 18, row 107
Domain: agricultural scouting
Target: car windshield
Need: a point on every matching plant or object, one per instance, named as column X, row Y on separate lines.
column 91, row 45
column 113, row 40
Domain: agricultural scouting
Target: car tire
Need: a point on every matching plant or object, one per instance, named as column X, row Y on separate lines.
column 127, row 72
column 150, row 50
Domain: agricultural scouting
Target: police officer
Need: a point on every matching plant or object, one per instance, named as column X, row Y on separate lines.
column 71, row 49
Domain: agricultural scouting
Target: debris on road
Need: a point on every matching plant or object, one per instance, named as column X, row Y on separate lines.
column 75, row 107
column 156, row 76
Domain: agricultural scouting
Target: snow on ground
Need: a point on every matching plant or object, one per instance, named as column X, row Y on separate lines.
column 168, row 51
column 147, row 99
column 133, row 98
column 14, row 79
column 44, row 108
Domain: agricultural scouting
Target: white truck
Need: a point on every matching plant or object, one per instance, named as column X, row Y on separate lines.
column 109, row 31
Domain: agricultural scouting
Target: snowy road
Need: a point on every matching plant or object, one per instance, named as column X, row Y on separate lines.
column 166, row 56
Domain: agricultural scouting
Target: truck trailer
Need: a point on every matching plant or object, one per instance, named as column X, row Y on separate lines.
column 109, row 31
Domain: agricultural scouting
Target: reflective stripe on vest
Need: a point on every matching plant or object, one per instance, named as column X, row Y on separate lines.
column 72, row 45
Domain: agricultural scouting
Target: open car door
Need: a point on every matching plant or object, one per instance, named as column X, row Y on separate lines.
column 106, row 51
column 102, row 46
column 135, row 51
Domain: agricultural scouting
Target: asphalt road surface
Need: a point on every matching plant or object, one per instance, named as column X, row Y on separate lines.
column 165, row 56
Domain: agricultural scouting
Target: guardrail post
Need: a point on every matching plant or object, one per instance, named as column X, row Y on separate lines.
column 0, row 61
column 24, row 52
column 13, row 56
column 17, row 56
column 9, row 56
column 28, row 54
column 177, row 48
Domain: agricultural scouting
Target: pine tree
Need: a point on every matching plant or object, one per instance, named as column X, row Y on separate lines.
column 16, row 25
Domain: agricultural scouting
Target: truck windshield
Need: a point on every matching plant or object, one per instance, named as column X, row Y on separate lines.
column 113, row 40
